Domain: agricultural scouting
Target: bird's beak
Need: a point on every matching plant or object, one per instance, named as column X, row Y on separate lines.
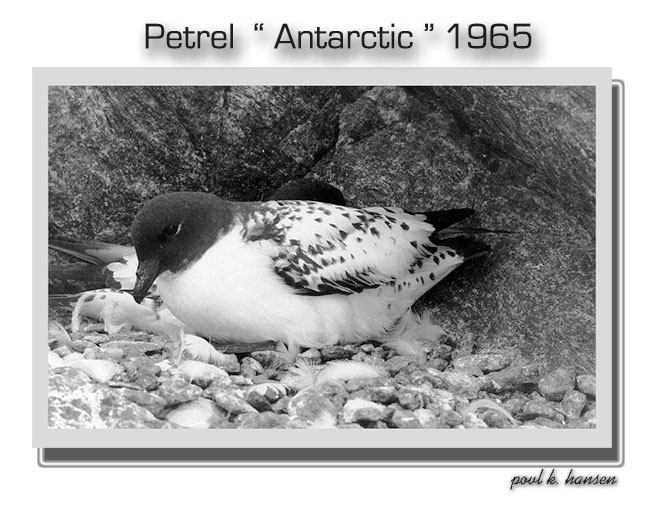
column 145, row 276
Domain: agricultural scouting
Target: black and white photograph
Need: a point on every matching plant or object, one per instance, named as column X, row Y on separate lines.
column 322, row 257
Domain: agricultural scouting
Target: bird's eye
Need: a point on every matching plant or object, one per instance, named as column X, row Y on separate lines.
column 171, row 230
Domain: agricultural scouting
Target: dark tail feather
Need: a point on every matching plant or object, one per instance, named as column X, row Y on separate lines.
column 63, row 300
column 78, row 271
column 461, row 231
column 93, row 252
column 442, row 219
column 468, row 248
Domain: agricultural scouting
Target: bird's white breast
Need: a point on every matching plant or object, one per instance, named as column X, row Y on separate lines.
column 232, row 294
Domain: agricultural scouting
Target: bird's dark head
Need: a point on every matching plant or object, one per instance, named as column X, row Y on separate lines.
column 173, row 230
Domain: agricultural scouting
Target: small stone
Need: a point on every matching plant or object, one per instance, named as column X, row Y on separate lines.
column 198, row 414
column 258, row 401
column 265, row 420
column 587, row 385
column 311, row 355
column 484, row 363
column 367, row 348
column 203, row 374
column 451, row 418
column 534, row 409
column 251, row 366
column 176, row 390
column 496, row 419
column 358, row 383
column 150, row 401
column 281, row 405
column 410, row 399
column 573, row 404
column 230, row 402
column 442, row 351
column 471, row 421
column 136, row 349
column 507, row 379
column 266, row 358
column 397, row 364
column 363, row 411
column 381, row 394
column 227, row 362
column 590, row 417
column 135, row 336
column 428, row 419
column 336, row 352
column 239, row 380
column 542, row 422
column 461, row 384
column 81, row 345
column 553, row 386
column 272, row 392
column 515, row 404
column 62, row 351
column 96, row 339
column 438, row 364
column 404, row 419
column 441, row 399
column 313, row 407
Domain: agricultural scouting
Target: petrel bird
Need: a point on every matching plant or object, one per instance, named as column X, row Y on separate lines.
column 303, row 273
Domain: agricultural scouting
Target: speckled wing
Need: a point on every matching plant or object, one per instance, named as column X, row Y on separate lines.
column 323, row 249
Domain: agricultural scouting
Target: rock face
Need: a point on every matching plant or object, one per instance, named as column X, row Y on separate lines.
column 523, row 157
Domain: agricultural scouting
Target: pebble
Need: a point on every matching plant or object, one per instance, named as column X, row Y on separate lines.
column 573, row 404
column 507, row 379
column 266, row 358
column 428, row 419
column 81, row 345
column 313, row 407
column 438, row 364
column 590, row 417
column 587, row 385
column 357, row 383
column 101, row 370
column 336, row 352
column 203, row 374
column 367, row 348
column 311, row 355
column 258, row 401
column 471, row 421
column 542, row 422
column 380, row 394
column 404, row 419
column 515, row 404
column 231, row 403
column 198, row 414
column 266, row 420
column 62, row 351
column 554, row 386
column 534, row 409
column 135, row 349
column 441, row 399
column 151, row 401
column 176, row 390
column 410, row 399
column 398, row 364
column 250, row 367
column 363, row 411
column 462, row 384
column 496, row 419
column 484, row 363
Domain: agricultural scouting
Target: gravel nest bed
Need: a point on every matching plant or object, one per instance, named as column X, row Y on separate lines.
column 137, row 380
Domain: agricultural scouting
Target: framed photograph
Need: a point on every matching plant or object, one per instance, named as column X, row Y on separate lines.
column 327, row 266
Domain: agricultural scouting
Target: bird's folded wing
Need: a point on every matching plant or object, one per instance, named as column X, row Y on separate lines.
column 322, row 249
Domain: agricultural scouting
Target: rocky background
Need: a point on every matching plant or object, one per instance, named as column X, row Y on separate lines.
column 523, row 157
